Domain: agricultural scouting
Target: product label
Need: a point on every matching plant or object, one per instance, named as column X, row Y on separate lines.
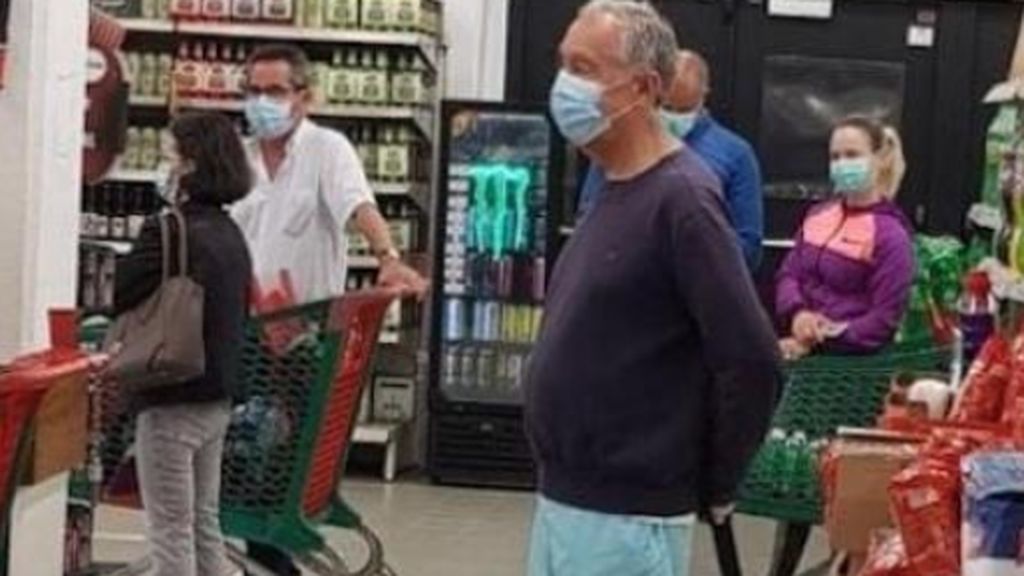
column 185, row 8
column 340, row 88
column 374, row 90
column 374, row 14
column 246, row 9
column 186, row 78
column 279, row 10
column 216, row 9
column 217, row 80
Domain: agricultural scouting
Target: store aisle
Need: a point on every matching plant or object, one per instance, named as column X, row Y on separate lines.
column 438, row 531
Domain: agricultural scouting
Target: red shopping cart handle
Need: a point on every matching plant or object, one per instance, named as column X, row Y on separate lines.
column 37, row 371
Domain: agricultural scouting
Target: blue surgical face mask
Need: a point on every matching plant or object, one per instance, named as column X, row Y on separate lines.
column 268, row 118
column 576, row 107
column 851, row 176
column 678, row 124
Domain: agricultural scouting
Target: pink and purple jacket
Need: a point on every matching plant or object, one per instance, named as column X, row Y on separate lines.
column 853, row 265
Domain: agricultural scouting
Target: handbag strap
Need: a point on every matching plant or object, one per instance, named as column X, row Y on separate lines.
column 165, row 237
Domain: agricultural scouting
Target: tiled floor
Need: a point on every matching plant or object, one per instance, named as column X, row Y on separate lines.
column 435, row 531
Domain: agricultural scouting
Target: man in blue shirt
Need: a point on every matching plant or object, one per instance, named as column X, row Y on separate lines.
column 728, row 155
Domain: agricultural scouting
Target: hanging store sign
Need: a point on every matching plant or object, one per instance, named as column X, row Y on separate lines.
column 106, row 113
column 812, row 9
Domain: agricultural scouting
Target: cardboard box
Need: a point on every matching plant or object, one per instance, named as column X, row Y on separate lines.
column 864, row 462
column 61, row 430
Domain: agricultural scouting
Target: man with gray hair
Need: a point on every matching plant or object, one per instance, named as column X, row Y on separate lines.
column 727, row 154
column 656, row 372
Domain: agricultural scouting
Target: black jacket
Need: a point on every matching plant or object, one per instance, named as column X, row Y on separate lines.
column 219, row 261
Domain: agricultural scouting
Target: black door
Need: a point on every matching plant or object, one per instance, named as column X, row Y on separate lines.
column 795, row 78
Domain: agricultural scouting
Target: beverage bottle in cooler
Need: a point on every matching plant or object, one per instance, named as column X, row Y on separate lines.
column 88, row 215
column 451, row 369
column 137, row 212
column 977, row 310
column 470, row 379
column 374, row 16
column 486, row 369
column 245, row 10
column 163, row 9
column 118, row 213
column 279, row 11
column 90, row 280
column 101, row 225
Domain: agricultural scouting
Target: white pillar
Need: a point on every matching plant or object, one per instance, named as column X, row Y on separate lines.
column 42, row 112
column 476, row 32
column 41, row 125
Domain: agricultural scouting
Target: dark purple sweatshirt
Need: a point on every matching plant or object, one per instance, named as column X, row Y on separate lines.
column 853, row 265
column 657, row 371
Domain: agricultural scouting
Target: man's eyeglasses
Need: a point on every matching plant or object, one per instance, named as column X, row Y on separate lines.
column 275, row 92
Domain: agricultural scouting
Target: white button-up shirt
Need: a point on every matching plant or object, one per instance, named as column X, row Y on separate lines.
column 296, row 221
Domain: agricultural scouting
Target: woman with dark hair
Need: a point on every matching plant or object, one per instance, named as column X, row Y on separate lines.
column 846, row 285
column 180, row 430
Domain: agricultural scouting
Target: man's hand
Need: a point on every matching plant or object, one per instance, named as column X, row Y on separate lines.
column 807, row 328
column 720, row 514
column 397, row 275
column 793, row 349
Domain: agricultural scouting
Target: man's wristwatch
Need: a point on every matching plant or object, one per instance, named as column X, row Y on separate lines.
column 388, row 254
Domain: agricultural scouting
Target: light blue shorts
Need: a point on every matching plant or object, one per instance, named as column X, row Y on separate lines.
column 568, row 541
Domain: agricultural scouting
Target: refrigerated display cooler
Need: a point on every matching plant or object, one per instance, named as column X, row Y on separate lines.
column 499, row 221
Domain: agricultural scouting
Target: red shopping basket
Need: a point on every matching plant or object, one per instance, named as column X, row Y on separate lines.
column 23, row 383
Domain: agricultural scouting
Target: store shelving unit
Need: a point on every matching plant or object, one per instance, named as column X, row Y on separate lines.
column 163, row 35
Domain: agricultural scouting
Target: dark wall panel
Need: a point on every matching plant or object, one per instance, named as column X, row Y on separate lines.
column 944, row 123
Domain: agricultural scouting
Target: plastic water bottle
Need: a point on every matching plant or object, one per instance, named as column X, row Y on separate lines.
column 774, row 455
column 977, row 310
column 795, row 457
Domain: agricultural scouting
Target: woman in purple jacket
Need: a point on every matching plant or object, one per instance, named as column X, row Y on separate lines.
column 846, row 284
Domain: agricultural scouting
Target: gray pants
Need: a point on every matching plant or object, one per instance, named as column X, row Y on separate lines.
column 178, row 451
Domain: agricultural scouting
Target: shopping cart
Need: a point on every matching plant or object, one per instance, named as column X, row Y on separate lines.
column 304, row 372
column 823, row 393
column 23, row 384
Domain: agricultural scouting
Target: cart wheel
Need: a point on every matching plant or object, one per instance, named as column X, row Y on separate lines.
column 327, row 562
column 242, row 560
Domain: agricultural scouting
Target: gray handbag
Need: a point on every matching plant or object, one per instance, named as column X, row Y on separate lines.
column 160, row 343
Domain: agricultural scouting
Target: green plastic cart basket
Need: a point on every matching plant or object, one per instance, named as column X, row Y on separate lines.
column 304, row 372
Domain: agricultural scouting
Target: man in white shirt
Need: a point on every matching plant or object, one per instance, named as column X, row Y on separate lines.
column 310, row 186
